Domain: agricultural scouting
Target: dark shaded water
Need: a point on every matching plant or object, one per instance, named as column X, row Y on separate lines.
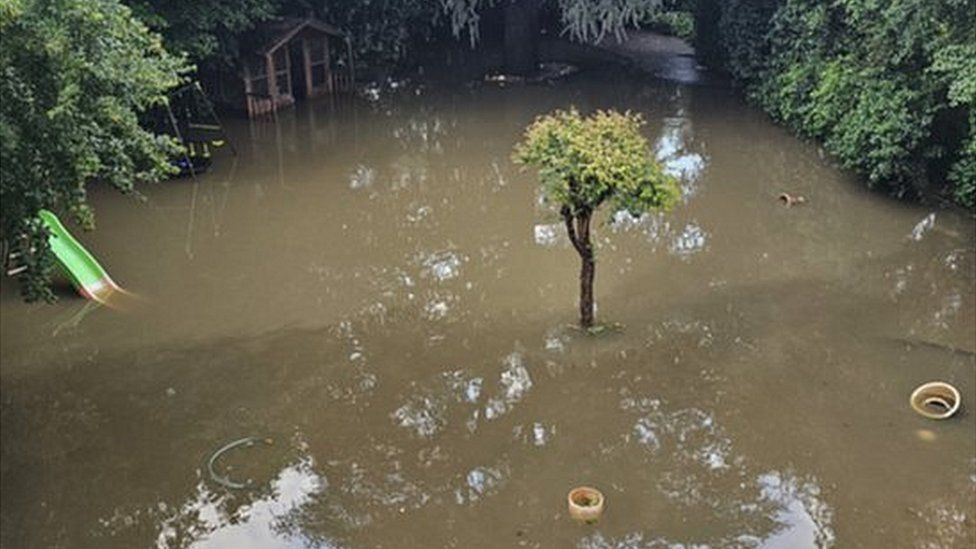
column 375, row 287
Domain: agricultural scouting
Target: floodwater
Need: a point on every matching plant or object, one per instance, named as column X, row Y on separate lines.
column 373, row 286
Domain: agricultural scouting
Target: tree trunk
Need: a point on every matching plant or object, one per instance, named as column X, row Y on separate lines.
column 587, row 272
column 522, row 24
column 578, row 229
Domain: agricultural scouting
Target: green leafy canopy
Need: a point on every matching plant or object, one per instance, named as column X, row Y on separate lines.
column 584, row 161
column 76, row 75
column 889, row 87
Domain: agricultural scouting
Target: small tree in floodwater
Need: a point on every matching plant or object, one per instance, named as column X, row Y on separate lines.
column 584, row 161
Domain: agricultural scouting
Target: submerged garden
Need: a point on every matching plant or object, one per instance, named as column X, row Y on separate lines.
column 568, row 273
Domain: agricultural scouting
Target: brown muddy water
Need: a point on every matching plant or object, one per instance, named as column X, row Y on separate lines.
column 375, row 287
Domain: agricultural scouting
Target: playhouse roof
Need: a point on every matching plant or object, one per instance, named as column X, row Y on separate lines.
column 277, row 32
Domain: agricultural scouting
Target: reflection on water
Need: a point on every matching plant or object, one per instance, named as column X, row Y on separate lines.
column 426, row 411
column 213, row 517
column 659, row 230
column 947, row 521
column 362, row 177
column 674, row 151
column 442, row 265
column 551, row 235
column 537, row 434
column 800, row 518
column 481, row 482
column 514, row 383
column 804, row 520
column 261, row 523
column 690, row 240
column 375, row 284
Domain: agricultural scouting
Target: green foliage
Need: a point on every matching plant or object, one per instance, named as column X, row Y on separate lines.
column 583, row 20
column 743, row 28
column 585, row 161
column 963, row 172
column 592, row 20
column 76, row 73
column 955, row 64
column 888, row 87
column 675, row 23
column 203, row 30
column 381, row 32
column 881, row 134
column 209, row 31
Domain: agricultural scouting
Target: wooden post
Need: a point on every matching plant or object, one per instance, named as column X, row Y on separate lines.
column 248, row 89
column 307, row 59
column 328, row 64
column 352, row 64
column 272, row 79
column 289, row 91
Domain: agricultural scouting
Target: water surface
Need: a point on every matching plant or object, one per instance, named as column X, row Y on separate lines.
column 376, row 288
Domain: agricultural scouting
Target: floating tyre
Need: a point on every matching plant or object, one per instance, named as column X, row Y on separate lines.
column 586, row 504
column 936, row 400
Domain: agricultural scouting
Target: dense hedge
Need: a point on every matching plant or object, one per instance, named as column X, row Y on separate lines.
column 888, row 87
column 678, row 23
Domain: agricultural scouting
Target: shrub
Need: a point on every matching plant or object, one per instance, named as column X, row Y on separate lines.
column 888, row 87
column 675, row 23
column 586, row 161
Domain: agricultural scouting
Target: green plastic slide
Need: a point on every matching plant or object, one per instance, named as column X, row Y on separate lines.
column 87, row 276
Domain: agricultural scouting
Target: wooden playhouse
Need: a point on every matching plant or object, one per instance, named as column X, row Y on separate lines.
column 296, row 58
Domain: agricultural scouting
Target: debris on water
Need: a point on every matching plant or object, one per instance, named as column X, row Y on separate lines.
column 923, row 226
column 503, row 78
column 790, row 200
column 170, row 391
column 223, row 480
column 377, row 89
column 586, row 504
column 547, row 72
column 551, row 71
column 935, row 400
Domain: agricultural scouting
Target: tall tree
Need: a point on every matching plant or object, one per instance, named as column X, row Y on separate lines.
column 584, row 162
column 76, row 74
